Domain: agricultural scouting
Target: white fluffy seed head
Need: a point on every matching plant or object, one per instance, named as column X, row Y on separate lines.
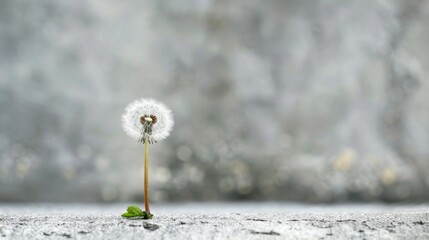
column 131, row 120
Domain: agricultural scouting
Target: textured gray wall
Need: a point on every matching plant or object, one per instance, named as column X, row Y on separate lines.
column 273, row 100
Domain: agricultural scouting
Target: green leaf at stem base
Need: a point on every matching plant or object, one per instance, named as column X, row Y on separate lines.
column 134, row 211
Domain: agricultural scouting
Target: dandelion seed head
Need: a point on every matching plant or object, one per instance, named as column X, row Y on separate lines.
column 147, row 119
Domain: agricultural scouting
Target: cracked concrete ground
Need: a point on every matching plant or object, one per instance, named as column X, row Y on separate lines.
column 215, row 221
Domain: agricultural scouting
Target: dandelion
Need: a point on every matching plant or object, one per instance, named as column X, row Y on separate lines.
column 147, row 121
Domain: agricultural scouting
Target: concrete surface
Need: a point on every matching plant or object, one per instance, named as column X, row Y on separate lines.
column 215, row 221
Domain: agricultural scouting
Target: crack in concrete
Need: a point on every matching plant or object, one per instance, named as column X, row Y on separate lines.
column 256, row 219
column 265, row 233
column 150, row 226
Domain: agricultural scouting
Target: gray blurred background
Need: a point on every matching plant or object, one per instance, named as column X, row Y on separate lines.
column 316, row 101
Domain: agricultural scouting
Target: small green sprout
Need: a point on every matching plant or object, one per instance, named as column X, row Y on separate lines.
column 134, row 211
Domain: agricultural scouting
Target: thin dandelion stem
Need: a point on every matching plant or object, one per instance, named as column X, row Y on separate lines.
column 146, row 175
